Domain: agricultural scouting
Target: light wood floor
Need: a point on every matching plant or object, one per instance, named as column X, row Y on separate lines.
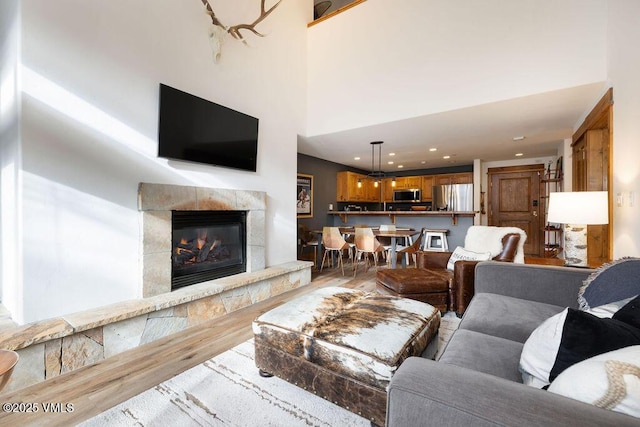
column 98, row 387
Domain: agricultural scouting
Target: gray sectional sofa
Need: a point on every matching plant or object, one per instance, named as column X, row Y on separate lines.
column 476, row 381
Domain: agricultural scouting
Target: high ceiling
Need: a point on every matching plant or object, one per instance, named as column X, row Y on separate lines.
column 483, row 132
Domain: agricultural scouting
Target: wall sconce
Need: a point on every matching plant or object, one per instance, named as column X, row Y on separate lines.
column 576, row 210
column 393, row 181
column 359, row 183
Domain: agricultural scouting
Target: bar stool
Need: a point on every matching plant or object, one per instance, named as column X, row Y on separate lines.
column 436, row 240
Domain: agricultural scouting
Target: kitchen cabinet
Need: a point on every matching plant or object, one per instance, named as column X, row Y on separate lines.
column 347, row 187
column 453, row 178
column 387, row 190
column 348, row 190
column 372, row 192
column 427, row 188
column 408, row 182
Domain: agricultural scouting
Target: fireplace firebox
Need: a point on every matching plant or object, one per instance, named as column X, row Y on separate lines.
column 207, row 245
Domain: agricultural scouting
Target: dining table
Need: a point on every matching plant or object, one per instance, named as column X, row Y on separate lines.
column 395, row 235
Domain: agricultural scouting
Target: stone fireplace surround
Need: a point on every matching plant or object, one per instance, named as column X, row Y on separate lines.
column 156, row 201
column 54, row 346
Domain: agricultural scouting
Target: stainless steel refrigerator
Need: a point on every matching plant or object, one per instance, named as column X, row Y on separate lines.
column 454, row 197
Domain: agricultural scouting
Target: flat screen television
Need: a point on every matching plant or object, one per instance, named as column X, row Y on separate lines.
column 193, row 129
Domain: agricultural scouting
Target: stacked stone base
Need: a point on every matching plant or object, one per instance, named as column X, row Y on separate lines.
column 52, row 347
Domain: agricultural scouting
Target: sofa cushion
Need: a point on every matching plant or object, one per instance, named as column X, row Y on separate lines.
column 610, row 381
column 569, row 338
column 484, row 353
column 613, row 281
column 506, row 317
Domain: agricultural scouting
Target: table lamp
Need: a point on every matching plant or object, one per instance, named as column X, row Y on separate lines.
column 576, row 210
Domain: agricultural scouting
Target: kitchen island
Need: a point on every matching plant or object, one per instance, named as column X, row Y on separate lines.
column 456, row 222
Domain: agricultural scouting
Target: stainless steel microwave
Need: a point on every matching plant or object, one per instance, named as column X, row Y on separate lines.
column 412, row 195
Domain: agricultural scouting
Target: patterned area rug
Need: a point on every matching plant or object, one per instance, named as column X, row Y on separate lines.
column 227, row 390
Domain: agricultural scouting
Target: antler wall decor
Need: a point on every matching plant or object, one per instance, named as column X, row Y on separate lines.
column 219, row 29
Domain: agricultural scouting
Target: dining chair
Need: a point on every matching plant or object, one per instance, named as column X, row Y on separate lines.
column 386, row 241
column 334, row 242
column 350, row 238
column 307, row 239
column 366, row 243
column 409, row 252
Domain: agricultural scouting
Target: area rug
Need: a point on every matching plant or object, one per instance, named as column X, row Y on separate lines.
column 227, row 390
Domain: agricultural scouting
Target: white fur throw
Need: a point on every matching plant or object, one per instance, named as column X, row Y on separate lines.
column 482, row 238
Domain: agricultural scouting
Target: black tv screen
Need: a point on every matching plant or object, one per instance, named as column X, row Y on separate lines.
column 193, row 129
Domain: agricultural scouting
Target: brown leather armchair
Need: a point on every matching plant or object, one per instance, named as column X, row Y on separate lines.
column 461, row 279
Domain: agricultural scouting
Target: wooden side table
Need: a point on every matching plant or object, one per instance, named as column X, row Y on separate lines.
column 8, row 360
column 544, row 261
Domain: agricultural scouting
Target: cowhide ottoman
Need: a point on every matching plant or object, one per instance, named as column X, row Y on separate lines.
column 344, row 345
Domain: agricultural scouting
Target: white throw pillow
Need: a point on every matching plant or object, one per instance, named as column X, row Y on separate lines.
column 590, row 381
column 461, row 253
column 540, row 351
column 573, row 336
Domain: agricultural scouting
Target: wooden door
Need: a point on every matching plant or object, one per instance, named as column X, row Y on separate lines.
column 514, row 201
column 591, row 173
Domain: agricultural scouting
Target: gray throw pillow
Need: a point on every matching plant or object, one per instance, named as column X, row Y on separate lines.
column 611, row 282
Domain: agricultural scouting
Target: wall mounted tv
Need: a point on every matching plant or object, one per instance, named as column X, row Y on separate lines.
column 196, row 130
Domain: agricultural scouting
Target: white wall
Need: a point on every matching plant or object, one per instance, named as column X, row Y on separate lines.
column 89, row 132
column 624, row 69
column 383, row 61
column 10, row 292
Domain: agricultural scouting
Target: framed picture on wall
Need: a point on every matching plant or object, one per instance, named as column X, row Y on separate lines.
column 304, row 200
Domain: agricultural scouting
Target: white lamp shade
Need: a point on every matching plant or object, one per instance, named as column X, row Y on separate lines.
column 579, row 207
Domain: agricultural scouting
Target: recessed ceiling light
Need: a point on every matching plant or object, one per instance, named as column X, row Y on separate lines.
column 356, row 158
column 518, row 138
column 433, row 149
column 446, row 157
column 392, row 154
column 400, row 166
column 389, row 163
column 519, row 154
column 423, row 162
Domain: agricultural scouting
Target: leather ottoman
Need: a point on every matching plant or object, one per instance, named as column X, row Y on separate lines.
column 432, row 287
column 345, row 345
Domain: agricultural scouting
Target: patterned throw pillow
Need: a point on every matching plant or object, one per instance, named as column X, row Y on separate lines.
column 611, row 282
column 610, row 381
column 461, row 253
